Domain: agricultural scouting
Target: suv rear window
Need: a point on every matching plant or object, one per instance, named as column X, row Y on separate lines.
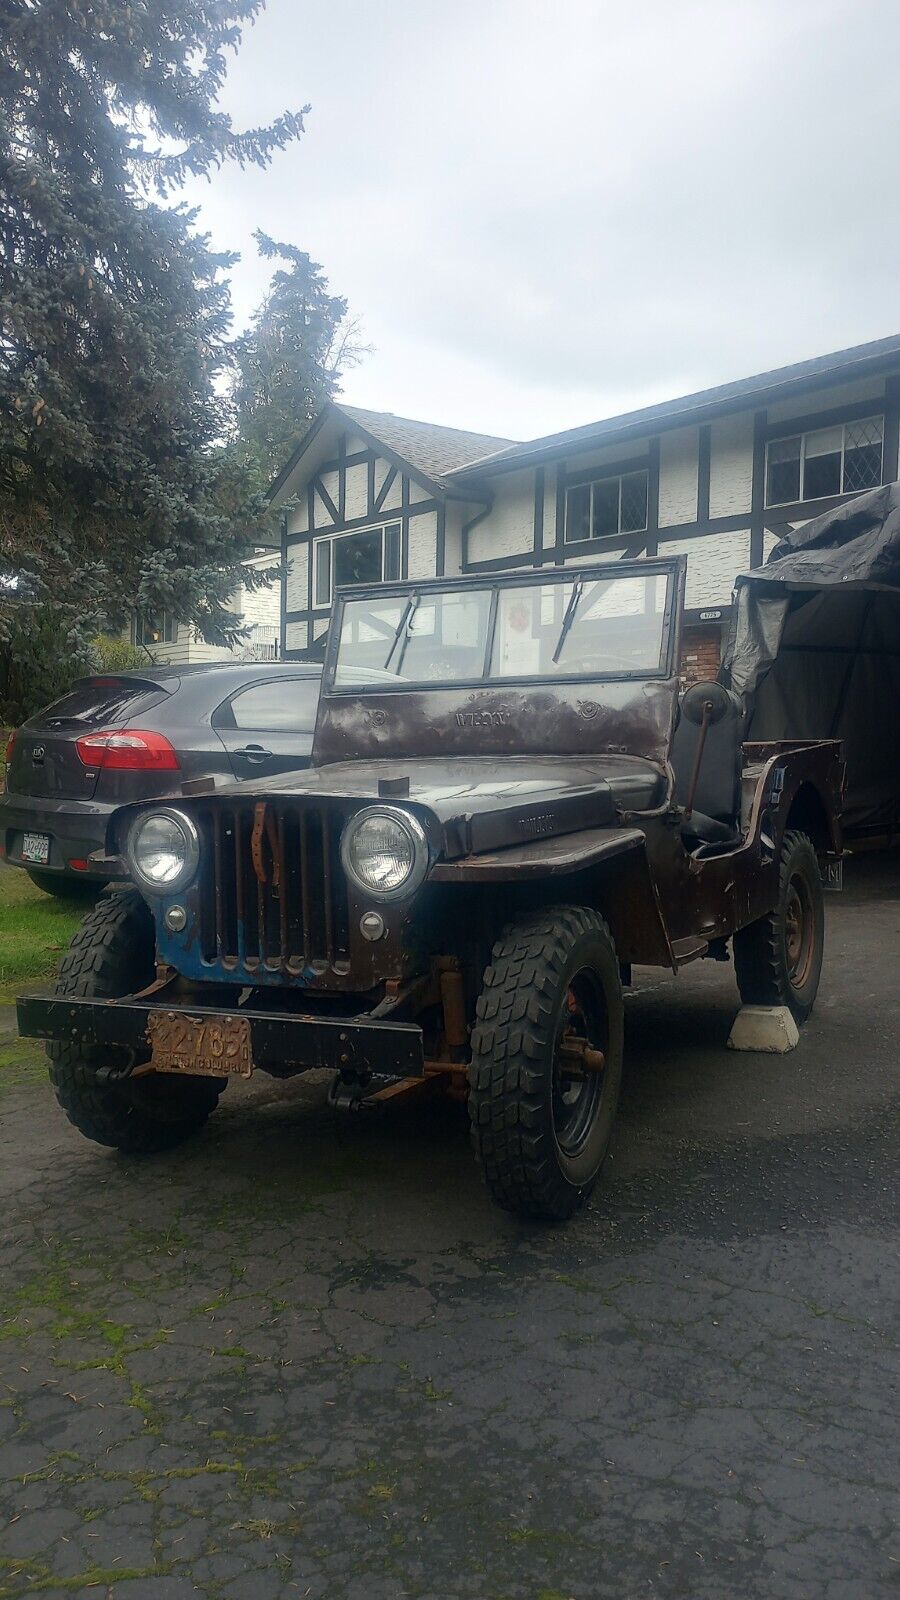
column 97, row 700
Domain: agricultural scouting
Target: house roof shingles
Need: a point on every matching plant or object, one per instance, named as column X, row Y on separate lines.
column 434, row 450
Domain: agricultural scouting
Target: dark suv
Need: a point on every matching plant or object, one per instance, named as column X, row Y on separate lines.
column 140, row 735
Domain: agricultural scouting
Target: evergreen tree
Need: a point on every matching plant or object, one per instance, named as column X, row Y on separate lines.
column 291, row 360
column 116, row 487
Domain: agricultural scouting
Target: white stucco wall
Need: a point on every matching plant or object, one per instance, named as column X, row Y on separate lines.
column 423, row 545
column 551, row 475
column 714, row 561
column 731, row 465
column 678, row 471
column 457, row 513
column 297, row 577
column 357, row 499
column 393, row 500
column 508, row 529
column 297, row 635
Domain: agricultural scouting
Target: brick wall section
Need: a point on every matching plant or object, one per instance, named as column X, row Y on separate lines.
column 701, row 652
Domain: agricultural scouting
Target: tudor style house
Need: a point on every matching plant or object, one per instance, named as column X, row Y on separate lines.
column 718, row 475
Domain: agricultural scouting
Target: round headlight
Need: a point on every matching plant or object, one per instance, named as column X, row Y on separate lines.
column 385, row 852
column 163, row 850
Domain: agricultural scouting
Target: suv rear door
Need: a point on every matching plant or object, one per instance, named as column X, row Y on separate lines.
column 45, row 760
column 267, row 727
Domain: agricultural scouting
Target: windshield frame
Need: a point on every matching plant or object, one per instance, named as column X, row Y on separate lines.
column 671, row 567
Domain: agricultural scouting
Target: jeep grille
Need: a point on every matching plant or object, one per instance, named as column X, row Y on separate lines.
column 272, row 892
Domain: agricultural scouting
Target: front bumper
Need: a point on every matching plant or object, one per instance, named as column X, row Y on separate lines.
column 356, row 1047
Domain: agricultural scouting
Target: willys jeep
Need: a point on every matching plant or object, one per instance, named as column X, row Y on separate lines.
column 511, row 804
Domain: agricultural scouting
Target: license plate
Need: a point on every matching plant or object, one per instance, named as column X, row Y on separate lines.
column 36, row 847
column 206, row 1047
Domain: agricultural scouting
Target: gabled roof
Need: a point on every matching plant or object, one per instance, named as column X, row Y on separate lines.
column 857, row 362
column 448, row 459
column 431, row 448
column 429, row 451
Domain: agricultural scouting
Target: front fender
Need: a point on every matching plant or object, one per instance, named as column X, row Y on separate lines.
column 603, row 867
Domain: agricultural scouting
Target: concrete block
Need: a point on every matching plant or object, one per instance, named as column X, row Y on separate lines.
column 770, row 1028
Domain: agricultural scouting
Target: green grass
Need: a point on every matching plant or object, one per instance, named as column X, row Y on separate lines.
column 34, row 931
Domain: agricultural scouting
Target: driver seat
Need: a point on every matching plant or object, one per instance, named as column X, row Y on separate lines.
column 717, row 798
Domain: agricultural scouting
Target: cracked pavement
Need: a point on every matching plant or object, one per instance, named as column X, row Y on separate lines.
column 304, row 1356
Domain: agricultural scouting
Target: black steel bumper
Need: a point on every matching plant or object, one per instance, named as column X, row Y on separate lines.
column 280, row 1041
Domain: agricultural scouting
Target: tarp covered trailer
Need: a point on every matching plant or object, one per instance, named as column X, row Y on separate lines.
column 814, row 651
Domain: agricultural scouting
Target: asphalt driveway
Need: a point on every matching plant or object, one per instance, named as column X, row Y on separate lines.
column 303, row 1356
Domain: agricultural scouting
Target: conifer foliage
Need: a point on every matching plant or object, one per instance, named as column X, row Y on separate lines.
column 118, row 483
column 291, row 360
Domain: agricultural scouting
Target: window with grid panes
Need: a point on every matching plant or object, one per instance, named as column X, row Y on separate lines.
column 843, row 459
column 606, row 507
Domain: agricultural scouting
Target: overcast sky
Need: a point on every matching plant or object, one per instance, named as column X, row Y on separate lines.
column 545, row 213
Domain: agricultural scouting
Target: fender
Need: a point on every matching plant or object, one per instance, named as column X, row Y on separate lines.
column 613, row 866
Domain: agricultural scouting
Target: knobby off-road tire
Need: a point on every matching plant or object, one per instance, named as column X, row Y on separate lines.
column 541, row 1134
column 112, row 954
column 64, row 885
column 778, row 959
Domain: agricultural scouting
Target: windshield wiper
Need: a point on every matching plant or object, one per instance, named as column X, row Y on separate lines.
column 408, row 613
column 568, row 619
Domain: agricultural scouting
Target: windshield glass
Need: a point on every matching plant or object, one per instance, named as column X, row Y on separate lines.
column 593, row 626
column 577, row 626
column 414, row 639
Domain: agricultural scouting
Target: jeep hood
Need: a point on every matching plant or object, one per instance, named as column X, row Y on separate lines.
column 484, row 803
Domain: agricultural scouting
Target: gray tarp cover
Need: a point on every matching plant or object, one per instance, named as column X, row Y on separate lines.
column 815, row 648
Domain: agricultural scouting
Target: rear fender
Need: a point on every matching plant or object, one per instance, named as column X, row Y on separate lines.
column 800, row 787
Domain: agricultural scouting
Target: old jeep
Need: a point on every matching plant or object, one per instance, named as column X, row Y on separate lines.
column 511, row 803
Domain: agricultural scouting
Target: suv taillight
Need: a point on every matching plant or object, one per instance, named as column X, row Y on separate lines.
column 127, row 750
column 10, row 746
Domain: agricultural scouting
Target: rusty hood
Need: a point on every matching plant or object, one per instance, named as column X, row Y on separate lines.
column 484, row 803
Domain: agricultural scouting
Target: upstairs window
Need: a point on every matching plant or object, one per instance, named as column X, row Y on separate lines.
column 370, row 556
column 844, row 459
column 607, row 507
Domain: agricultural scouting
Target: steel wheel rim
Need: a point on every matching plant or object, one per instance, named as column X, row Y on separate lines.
column 799, row 931
column 575, row 1098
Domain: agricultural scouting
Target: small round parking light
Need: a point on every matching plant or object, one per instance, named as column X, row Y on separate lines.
column 371, row 925
column 175, row 919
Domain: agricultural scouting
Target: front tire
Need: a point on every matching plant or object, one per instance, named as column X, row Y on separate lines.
column 778, row 959
column 541, row 1118
column 111, row 955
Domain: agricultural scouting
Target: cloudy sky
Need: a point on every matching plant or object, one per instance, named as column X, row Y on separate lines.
column 547, row 213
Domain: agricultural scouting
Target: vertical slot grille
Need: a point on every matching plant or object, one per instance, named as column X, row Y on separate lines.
column 291, row 914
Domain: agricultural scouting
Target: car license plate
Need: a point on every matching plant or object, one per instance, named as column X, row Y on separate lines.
column 207, row 1047
column 36, row 848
